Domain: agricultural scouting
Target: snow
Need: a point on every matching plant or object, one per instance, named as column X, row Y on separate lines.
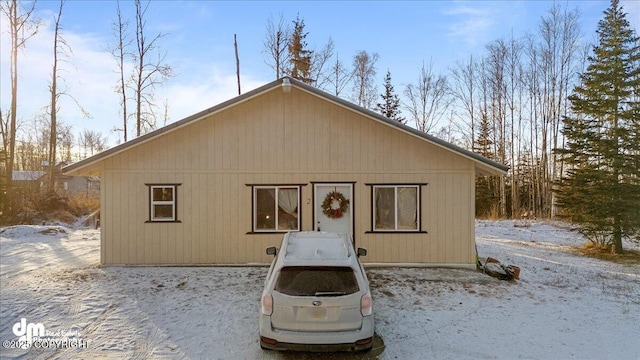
column 563, row 307
column 305, row 246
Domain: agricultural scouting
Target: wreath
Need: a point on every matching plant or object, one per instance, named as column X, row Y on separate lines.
column 328, row 205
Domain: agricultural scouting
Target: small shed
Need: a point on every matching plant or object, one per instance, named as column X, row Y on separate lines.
column 220, row 186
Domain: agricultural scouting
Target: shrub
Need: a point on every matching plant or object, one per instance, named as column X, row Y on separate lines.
column 83, row 204
column 32, row 206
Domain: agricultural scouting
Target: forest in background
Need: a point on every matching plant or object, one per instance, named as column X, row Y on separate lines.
column 507, row 103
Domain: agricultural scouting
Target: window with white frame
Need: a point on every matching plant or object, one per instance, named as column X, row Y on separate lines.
column 163, row 202
column 276, row 208
column 396, row 208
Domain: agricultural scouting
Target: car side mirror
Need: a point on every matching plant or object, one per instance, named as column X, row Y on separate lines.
column 272, row 250
column 362, row 252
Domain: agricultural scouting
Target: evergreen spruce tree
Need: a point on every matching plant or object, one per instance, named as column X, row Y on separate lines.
column 487, row 199
column 601, row 188
column 300, row 56
column 390, row 105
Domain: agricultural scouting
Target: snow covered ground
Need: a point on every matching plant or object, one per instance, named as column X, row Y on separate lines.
column 563, row 307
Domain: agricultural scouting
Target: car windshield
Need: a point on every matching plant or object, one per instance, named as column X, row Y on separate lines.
column 317, row 281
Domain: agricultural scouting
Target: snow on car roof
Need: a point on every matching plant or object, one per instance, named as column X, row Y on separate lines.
column 317, row 246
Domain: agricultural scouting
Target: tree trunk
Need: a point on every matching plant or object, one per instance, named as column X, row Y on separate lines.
column 235, row 45
column 54, row 97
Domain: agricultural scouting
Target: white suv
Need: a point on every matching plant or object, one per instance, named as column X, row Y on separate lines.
column 316, row 295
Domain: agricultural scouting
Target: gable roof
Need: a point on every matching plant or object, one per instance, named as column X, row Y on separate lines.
column 29, row 175
column 484, row 166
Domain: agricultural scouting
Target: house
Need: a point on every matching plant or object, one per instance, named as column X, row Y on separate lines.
column 222, row 185
column 24, row 184
column 28, row 180
column 66, row 186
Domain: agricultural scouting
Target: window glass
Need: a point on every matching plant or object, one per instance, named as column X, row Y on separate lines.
column 163, row 194
column 287, row 209
column 163, row 211
column 276, row 208
column 265, row 208
column 385, row 208
column 407, row 208
column 316, row 281
column 396, row 208
column 163, row 203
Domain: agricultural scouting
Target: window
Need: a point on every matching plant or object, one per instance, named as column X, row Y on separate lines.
column 396, row 208
column 317, row 281
column 163, row 202
column 275, row 208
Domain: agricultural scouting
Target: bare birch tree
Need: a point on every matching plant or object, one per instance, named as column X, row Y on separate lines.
column 464, row 90
column 65, row 142
column 34, row 146
column 427, row 100
column 339, row 77
column 59, row 47
column 121, row 54
column 364, row 74
column 22, row 26
column 276, row 45
column 319, row 63
column 524, row 86
column 4, row 133
column 91, row 142
column 513, row 95
column 495, row 71
column 61, row 51
column 148, row 72
column 560, row 35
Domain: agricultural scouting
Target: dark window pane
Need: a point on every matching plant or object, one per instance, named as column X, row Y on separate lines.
column 265, row 209
column 385, row 212
column 163, row 211
column 317, row 281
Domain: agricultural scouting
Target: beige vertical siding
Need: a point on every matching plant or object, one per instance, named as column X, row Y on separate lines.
column 278, row 138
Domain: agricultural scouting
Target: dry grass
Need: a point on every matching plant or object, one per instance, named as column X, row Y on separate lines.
column 83, row 204
column 60, row 215
column 494, row 213
column 31, row 206
column 628, row 257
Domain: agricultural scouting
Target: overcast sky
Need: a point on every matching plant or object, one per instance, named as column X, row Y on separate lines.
column 199, row 45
